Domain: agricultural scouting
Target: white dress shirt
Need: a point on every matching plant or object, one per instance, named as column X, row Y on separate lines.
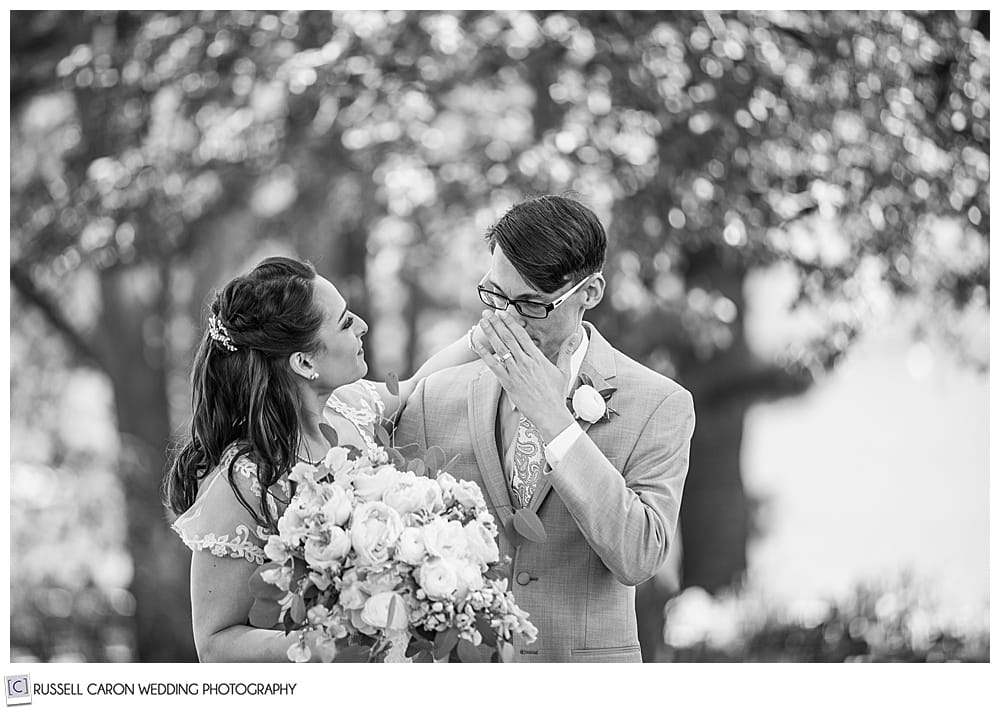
column 557, row 448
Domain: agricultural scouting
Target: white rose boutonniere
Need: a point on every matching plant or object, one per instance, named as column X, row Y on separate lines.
column 589, row 404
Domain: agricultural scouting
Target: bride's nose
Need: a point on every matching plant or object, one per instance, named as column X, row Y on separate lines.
column 362, row 327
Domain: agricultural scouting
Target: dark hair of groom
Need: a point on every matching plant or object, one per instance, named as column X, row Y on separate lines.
column 551, row 241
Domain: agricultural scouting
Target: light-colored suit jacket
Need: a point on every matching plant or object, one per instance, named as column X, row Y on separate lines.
column 609, row 507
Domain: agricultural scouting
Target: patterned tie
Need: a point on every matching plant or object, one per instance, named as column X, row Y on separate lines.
column 529, row 461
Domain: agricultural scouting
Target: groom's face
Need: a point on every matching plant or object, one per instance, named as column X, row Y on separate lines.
column 547, row 333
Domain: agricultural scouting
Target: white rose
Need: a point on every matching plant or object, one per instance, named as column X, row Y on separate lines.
column 482, row 547
column 438, row 578
column 337, row 509
column 376, row 611
column 444, row 538
column 468, row 495
column 588, row 404
column 372, row 487
column 374, row 530
column 415, row 494
column 410, row 546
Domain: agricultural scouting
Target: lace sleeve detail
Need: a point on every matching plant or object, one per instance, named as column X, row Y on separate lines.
column 218, row 523
column 360, row 404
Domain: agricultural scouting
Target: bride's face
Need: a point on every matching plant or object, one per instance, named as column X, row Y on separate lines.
column 341, row 360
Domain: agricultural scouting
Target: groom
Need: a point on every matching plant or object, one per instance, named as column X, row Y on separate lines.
column 606, row 487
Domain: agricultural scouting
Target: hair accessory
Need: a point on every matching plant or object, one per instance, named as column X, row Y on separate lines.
column 218, row 333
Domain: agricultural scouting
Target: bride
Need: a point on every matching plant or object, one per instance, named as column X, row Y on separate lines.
column 279, row 340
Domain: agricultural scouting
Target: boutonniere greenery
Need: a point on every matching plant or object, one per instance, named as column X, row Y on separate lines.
column 590, row 404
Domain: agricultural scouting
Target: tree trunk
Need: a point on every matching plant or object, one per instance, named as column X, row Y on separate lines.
column 132, row 339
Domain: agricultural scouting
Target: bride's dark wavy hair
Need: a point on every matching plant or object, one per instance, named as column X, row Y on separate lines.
column 248, row 394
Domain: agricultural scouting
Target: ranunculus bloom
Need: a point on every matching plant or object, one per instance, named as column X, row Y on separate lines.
column 324, row 556
column 374, row 530
column 482, row 547
column 444, row 538
column 410, row 546
column 376, row 611
column 468, row 495
column 438, row 578
column 337, row 510
column 588, row 404
column 373, row 487
column 470, row 578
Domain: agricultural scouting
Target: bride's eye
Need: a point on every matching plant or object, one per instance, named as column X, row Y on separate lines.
column 348, row 322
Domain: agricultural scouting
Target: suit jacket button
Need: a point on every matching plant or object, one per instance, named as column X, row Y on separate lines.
column 523, row 578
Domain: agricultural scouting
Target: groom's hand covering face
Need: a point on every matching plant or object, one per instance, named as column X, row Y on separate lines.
column 548, row 333
column 535, row 385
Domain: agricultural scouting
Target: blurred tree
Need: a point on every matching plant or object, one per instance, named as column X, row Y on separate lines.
column 156, row 151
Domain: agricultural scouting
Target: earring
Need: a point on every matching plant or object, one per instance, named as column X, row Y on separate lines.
column 314, row 376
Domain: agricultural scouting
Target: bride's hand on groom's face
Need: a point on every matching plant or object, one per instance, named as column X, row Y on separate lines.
column 535, row 386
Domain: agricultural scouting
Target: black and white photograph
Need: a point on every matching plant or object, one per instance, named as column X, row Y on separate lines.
column 498, row 336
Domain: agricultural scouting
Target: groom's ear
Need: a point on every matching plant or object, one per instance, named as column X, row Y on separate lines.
column 593, row 293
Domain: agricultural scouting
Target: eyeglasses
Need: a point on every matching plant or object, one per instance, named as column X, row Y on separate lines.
column 528, row 309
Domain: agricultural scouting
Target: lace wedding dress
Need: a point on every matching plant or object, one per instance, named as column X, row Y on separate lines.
column 219, row 523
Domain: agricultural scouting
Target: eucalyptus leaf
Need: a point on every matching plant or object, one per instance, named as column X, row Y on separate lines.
column 410, row 450
column 444, row 642
column 417, row 466
column 507, row 652
column 435, row 458
column 516, row 538
column 383, row 437
column 329, row 433
column 264, row 613
column 530, row 525
column 392, row 383
column 467, row 652
column 396, row 458
column 298, row 609
column 488, row 633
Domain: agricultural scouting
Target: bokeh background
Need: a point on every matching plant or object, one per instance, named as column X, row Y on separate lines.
column 798, row 212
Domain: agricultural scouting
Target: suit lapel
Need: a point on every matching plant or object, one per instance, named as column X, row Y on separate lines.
column 484, row 397
column 599, row 365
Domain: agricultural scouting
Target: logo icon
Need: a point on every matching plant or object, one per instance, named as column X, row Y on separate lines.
column 18, row 689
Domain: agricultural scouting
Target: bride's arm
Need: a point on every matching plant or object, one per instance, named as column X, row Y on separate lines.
column 458, row 353
column 220, row 606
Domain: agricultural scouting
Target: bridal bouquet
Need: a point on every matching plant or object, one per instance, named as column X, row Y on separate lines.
column 370, row 551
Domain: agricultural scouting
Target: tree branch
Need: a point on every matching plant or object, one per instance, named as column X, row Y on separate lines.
column 25, row 285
